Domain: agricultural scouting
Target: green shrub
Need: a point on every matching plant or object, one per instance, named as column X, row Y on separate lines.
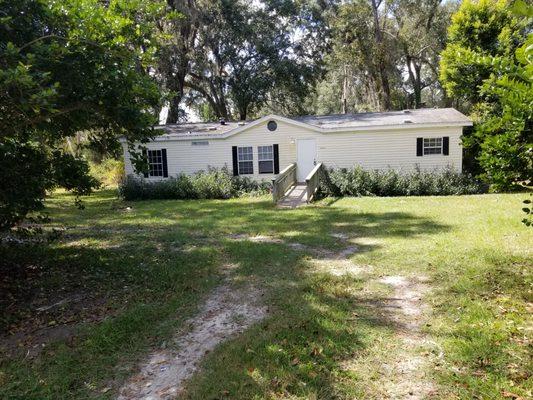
column 242, row 185
column 361, row 182
column 109, row 172
column 211, row 184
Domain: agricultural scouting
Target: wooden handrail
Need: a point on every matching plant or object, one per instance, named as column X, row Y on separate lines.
column 285, row 180
column 313, row 181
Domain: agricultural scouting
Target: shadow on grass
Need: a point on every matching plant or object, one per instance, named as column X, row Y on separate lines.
column 160, row 258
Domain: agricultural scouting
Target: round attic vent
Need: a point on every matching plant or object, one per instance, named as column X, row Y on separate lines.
column 272, row 126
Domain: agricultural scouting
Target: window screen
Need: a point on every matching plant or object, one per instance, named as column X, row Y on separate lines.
column 266, row 159
column 432, row 146
column 245, row 157
column 155, row 162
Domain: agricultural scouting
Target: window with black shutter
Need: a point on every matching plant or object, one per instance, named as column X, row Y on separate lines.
column 265, row 157
column 433, row 146
column 157, row 163
column 245, row 157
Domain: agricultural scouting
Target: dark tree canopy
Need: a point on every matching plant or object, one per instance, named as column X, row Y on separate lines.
column 68, row 67
column 384, row 56
column 233, row 59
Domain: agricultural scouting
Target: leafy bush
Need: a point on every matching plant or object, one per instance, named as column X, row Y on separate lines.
column 109, row 172
column 211, row 184
column 28, row 171
column 242, row 185
column 361, row 182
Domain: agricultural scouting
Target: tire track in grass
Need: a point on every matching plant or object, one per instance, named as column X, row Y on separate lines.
column 228, row 311
column 406, row 376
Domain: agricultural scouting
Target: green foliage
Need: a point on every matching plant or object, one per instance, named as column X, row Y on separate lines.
column 488, row 63
column 109, row 172
column 361, row 182
column 65, row 67
column 481, row 28
column 505, row 132
column 211, row 184
column 16, row 199
column 28, row 170
column 256, row 56
column 384, row 56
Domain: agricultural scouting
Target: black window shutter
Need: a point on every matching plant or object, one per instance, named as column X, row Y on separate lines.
column 419, row 147
column 165, row 165
column 276, row 159
column 446, row 145
column 145, row 156
column 235, row 161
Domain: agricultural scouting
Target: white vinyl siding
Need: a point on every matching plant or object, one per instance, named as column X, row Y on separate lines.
column 378, row 149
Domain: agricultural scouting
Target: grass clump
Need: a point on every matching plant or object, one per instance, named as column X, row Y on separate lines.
column 361, row 182
column 211, row 184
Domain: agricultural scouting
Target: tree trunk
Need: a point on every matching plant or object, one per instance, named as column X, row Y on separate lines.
column 385, row 88
column 174, row 110
column 414, row 78
column 417, row 86
column 243, row 111
column 385, row 97
column 344, row 105
column 222, row 109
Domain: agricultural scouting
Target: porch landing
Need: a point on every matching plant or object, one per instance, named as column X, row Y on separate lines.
column 295, row 196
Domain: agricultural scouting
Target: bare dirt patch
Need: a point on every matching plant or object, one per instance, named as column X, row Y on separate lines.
column 406, row 375
column 57, row 320
column 316, row 252
column 338, row 262
column 30, row 344
column 35, row 313
column 226, row 313
column 256, row 238
column 342, row 267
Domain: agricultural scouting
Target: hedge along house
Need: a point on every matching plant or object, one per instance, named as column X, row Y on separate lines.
column 260, row 149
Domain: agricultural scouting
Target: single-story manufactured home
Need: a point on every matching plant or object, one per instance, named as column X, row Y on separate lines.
column 260, row 149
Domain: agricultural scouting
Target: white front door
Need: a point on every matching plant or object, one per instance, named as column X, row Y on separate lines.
column 306, row 157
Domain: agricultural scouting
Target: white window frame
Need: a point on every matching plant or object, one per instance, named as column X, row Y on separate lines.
column 155, row 163
column 245, row 156
column 432, row 146
column 265, row 154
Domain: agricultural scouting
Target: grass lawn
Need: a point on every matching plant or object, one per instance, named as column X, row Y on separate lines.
column 119, row 281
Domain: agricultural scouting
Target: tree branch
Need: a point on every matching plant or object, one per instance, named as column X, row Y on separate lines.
column 53, row 37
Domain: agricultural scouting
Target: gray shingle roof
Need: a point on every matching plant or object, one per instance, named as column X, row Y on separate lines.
column 437, row 116
column 198, row 128
column 418, row 116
